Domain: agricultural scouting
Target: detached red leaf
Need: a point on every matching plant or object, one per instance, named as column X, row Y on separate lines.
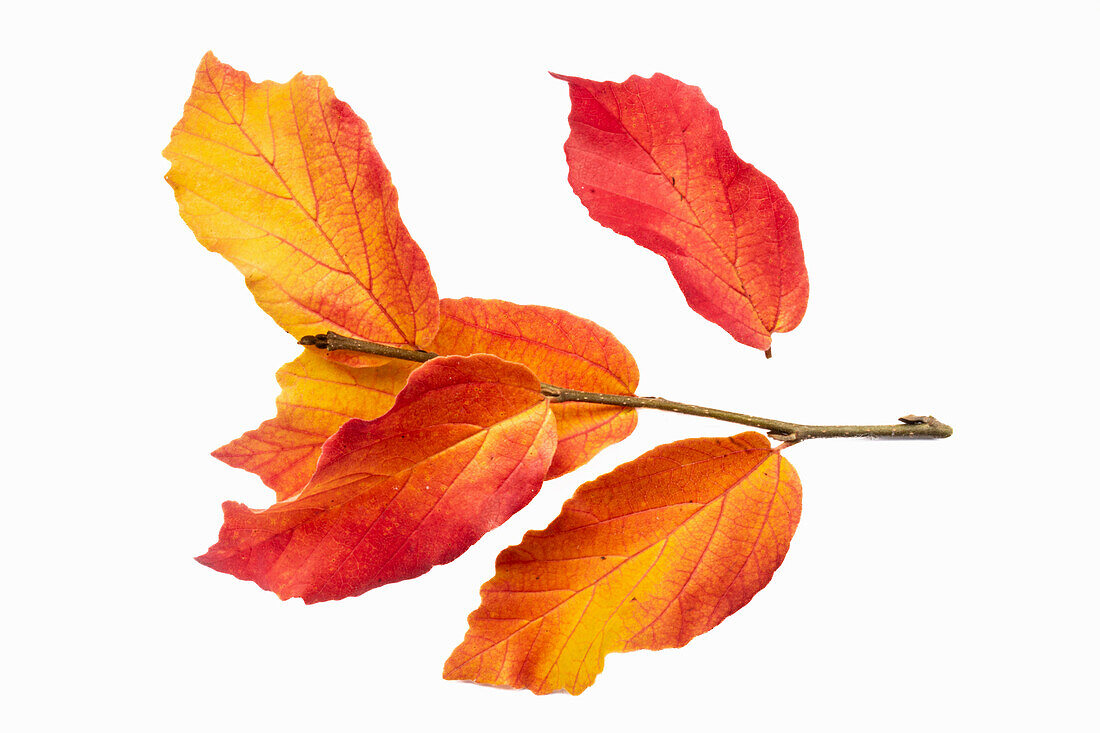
column 466, row 445
column 648, row 556
column 650, row 159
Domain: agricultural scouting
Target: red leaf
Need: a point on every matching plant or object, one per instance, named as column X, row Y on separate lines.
column 650, row 159
column 466, row 445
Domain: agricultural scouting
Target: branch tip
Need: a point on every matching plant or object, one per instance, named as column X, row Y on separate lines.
column 940, row 429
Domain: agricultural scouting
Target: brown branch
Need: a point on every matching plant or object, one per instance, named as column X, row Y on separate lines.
column 335, row 342
column 910, row 426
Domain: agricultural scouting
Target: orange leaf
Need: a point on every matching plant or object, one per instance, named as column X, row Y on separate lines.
column 284, row 181
column 318, row 396
column 650, row 159
column 465, row 446
column 648, row 556
column 562, row 349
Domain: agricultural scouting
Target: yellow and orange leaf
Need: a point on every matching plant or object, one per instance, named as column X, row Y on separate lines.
column 318, row 396
column 649, row 159
column 562, row 349
column 284, row 181
column 648, row 556
column 466, row 445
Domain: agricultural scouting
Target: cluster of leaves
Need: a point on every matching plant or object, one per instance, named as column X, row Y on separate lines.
column 383, row 468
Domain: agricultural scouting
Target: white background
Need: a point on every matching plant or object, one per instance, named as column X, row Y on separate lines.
column 943, row 161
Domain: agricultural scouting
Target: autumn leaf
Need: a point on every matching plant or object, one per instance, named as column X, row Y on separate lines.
column 561, row 348
column 648, row 556
column 283, row 180
column 466, row 445
column 649, row 158
column 318, row 396
column 385, row 467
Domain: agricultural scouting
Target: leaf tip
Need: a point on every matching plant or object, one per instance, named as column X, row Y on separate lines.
column 209, row 61
column 570, row 80
column 209, row 560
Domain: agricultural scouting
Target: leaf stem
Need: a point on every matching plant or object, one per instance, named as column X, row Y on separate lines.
column 910, row 426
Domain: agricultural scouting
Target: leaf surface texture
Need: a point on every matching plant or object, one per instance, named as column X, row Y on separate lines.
column 649, row 159
column 562, row 349
column 648, row 556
